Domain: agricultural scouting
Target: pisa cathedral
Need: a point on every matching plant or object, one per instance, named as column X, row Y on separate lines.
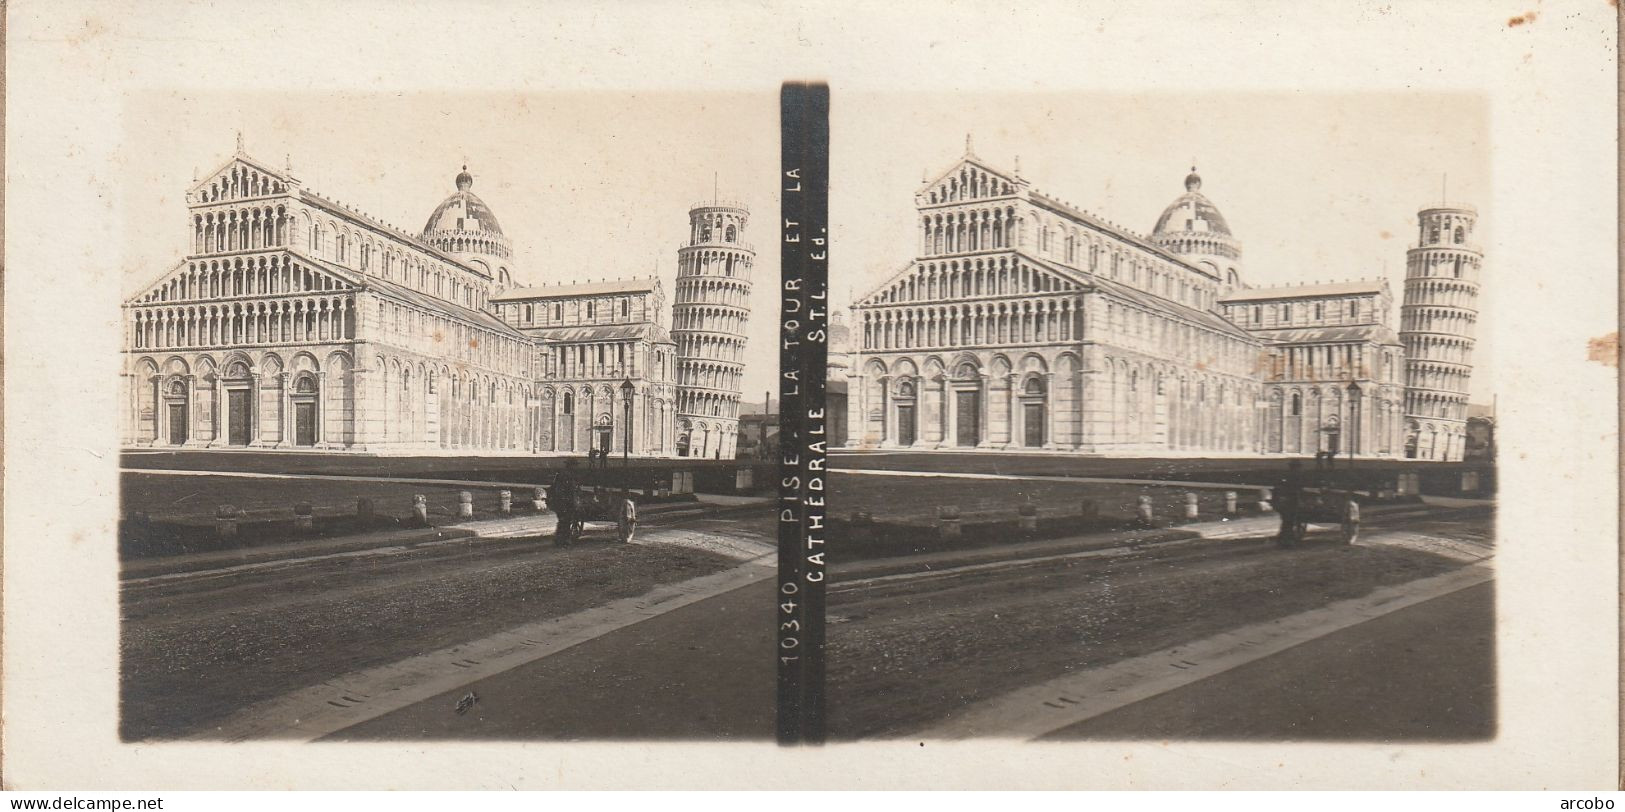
column 297, row 322
column 1027, row 323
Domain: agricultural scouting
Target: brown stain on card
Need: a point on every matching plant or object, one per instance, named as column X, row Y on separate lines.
column 1526, row 17
column 1604, row 350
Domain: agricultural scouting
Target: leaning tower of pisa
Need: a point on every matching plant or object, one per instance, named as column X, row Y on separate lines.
column 710, row 307
column 1437, row 323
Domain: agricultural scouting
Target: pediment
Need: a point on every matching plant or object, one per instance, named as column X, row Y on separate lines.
column 968, row 179
column 240, row 177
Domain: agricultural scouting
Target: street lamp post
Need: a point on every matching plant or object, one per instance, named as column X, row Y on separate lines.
column 626, row 446
column 1354, row 419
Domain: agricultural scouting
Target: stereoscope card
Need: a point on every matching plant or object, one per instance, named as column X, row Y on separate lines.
column 717, row 395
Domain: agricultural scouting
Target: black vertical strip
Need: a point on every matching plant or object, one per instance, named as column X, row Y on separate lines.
column 814, row 358
column 787, row 611
column 804, row 328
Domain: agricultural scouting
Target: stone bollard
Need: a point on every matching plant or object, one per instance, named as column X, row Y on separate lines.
column 538, row 500
column 1148, row 515
column 465, row 505
column 420, row 509
column 505, row 502
column 1229, row 503
column 948, row 527
column 1265, row 495
column 304, row 517
column 1028, row 521
column 363, row 508
column 225, row 522
column 1191, row 512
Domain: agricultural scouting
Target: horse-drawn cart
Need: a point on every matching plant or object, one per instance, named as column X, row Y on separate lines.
column 1320, row 506
column 577, row 506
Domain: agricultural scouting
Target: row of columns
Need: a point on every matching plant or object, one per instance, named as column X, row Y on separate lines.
column 246, row 323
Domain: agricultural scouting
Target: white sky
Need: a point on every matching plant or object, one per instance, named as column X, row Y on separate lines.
column 588, row 186
column 1317, row 186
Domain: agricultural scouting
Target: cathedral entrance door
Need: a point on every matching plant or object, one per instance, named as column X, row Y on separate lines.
column 968, row 413
column 177, row 423
column 237, row 416
column 1032, row 420
column 905, row 425
column 304, row 424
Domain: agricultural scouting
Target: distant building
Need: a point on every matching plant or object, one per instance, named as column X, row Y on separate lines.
column 758, row 436
column 1480, row 442
column 837, row 370
column 1028, row 323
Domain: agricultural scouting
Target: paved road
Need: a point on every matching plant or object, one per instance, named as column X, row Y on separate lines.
column 198, row 648
column 906, row 652
column 705, row 671
column 1426, row 672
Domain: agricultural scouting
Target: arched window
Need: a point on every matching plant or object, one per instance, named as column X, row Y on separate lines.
column 1297, row 405
column 591, row 307
column 1461, row 235
column 1286, row 312
column 729, row 234
column 1034, row 386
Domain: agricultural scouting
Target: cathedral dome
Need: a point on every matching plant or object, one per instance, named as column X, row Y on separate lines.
column 463, row 223
column 1191, row 212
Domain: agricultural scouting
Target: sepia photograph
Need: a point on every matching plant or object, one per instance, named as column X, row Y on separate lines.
column 496, row 472
column 491, row 396
column 1177, row 428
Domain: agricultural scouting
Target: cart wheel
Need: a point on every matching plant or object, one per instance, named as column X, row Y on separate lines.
column 627, row 522
column 564, row 532
column 1351, row 522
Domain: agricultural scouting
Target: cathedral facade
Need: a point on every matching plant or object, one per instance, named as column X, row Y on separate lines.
column 297, row 322
column 1026, row 323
